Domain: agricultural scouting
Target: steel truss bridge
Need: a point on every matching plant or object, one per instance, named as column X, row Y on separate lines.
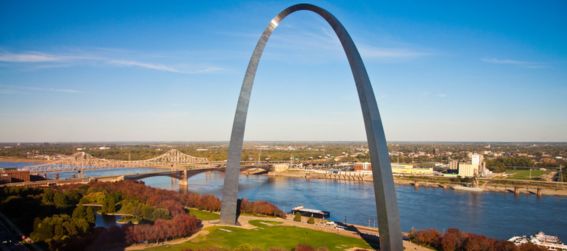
column 172, row 159
column 83, row 161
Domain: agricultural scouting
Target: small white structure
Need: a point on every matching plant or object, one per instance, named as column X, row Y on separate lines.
column 281, row 167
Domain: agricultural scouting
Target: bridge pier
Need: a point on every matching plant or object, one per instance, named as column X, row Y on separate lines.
column 184, row 181
column 183, row 188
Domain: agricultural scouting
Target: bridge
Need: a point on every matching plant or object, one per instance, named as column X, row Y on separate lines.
column 180, row 174
column 183, row 175
column 172, row 159
column 84, row 161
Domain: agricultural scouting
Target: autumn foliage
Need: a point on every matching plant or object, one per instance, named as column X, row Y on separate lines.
column 453, row 240
column 173, row 201
column 180, row 226
column 260, row 207
column 176, row 202
column 63, row 217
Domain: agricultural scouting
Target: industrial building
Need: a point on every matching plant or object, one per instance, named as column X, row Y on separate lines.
column 12, row 175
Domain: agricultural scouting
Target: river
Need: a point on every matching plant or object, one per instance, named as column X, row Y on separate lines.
column 499, row 215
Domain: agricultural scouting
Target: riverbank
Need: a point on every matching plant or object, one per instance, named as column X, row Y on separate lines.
column 518, row 187
column 16, row 159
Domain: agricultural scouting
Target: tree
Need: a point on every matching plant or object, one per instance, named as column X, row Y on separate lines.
column 42, row 231
column 60, row 200
column 47, row 197
column 81, row 224
column 70, row 228
column 311, row 220
column 450, row 242
column 297, row 217
column 79, row 212
column 90, row 215
column 57, row 227
column 181, row 225
column 109, row 205
column 303, row 247
column 428, row 237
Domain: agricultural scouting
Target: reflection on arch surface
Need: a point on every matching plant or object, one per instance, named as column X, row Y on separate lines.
column 385, row 194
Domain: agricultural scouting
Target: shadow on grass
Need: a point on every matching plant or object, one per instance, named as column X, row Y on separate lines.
column 372, row 240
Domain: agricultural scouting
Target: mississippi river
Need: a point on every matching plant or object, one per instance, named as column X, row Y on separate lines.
column 500, row 215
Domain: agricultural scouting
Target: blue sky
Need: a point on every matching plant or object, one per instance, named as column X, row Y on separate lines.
column 171, row 71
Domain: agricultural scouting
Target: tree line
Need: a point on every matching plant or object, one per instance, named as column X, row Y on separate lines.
column 64, row 217
column 502, row 163
column 456, row 240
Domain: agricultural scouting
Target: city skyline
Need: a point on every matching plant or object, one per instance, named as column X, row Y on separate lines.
column 439, row 73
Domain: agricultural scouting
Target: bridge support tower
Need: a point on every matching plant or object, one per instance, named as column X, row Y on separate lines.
column 184, row 179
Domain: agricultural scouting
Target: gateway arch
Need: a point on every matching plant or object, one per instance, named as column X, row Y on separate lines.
column 384, row 190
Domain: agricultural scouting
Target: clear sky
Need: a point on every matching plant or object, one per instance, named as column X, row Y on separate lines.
column 171, row 71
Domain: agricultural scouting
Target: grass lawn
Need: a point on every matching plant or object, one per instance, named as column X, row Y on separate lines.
column 524, row 174
column 269, row 234
column 204, row 215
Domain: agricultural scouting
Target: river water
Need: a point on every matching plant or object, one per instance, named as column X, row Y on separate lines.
column 499, row 215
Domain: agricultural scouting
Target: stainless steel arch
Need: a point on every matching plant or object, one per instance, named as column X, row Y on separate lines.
column 385, row 194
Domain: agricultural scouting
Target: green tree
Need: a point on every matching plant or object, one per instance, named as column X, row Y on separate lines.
column 297, row 217
column 311, row 220
column 81, row 224
column 47, row 197
column 70, row 228
column 109, row 205
column 90, row 215
column 42, row 231
column 60, row 200
column 58, row 229
column 80, row 212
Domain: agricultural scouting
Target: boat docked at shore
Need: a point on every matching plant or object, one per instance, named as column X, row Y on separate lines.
column 308, row 212
column 467, row 189
column 541, row 239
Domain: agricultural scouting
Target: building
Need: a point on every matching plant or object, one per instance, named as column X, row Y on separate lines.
column 477, row 159
column 409, row 169
column 468, row 170
column 280, row 167
column 362, row 166
column 400, row 169
column 8, row 176
column 477, row 167
column 454, row 165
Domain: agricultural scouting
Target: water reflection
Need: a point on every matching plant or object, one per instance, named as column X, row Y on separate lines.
column 106, row 221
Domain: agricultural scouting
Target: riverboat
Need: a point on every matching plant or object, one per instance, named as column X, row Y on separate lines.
column 541, row 239
column 308, row 212
column 467, row 189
